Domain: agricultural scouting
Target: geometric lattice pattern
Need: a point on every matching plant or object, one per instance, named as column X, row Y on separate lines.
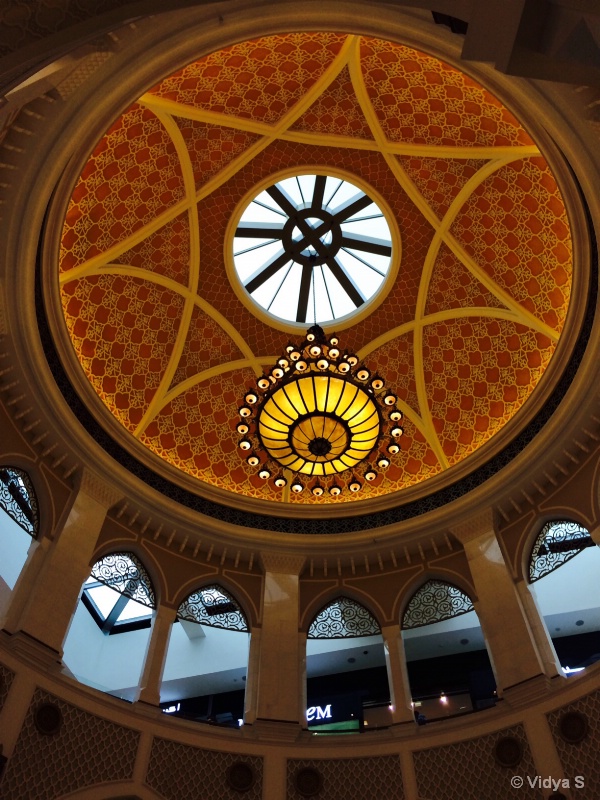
column 178, row 771
column 343, row 619
column 6, row 679
column 581, row 758
column 86, row 750
column 215, row 607
column 434, row 602
column 559, row 541
column 125, row 573
column 482, row 289
column 469, row 771
column 378, row 777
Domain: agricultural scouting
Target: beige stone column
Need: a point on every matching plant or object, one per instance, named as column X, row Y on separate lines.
column 65, row 567
column 251, row 695
column 156, row 655
column 538, row 628
column 19, row 596
column 278, row 688
column 513, row 650
column 395, row 661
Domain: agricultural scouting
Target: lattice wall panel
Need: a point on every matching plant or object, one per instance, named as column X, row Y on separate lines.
column 356, row 778
column 6, row 679
column 86, row 750
column 581, row 759
column 178, row 771
column 468, row 770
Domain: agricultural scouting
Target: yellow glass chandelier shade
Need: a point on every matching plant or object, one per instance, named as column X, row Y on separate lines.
column 319, row 425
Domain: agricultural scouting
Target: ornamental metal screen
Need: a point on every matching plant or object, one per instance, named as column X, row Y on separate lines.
column 124, row 573
column 215, row 607
column 343, row 619
column 433, row 602
column 18, row 499
column 558, row 542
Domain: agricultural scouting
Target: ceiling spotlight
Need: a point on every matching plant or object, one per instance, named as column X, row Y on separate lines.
column 396, row 416
column 297, row 487
column 253, row 460
column 280, row 482
column 317, row 490
column 390, row 399
column 322, row 364
column 264, row 474
column 370, row 475
column 355, row 486
column 383, row 462
column 251, row 398
column 335, row 490
column 263, row 383
column 245, row 444
column 393, row 449
column 363, row 374
column 242, row 428
column 245, row 411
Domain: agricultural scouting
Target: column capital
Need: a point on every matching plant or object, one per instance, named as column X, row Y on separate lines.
column 476, row 526
column 95, row 487
column 284, row 563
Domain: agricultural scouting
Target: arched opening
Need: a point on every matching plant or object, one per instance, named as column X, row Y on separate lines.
column 207, row 659
column 19, row 524
column 449, row 669
column 564, row 566
column 346, row 676
column 108, row 636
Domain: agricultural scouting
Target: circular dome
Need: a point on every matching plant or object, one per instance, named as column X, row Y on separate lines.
column 463, row 334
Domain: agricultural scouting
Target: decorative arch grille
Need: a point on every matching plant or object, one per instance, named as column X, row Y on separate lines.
column 215, row 607
column 433, row 602
column 125, row 573
column 343, row 619
column 558, row 542
column 18, row 499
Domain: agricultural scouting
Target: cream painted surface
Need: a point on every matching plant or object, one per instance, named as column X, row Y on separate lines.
column 395, row 660
column 156, row 654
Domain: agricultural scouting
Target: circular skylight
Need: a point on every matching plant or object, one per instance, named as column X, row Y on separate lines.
column 312, row 249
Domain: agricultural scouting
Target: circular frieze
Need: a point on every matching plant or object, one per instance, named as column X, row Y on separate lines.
column 240, row 776
column 573, row 727
column 508, row 751
column 312, row 249
column 48, row 719
column 308, row 782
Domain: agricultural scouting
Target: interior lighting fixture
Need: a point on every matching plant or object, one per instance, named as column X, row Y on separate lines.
column 326, row 426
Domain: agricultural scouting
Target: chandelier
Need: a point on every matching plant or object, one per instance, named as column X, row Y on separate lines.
column 320, row 418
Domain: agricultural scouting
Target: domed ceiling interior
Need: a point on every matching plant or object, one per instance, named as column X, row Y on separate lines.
column 482, row 263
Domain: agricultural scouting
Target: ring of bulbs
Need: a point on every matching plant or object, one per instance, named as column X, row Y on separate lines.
column 318, row 354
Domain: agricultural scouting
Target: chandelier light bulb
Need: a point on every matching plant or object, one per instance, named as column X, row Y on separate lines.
column 242, row 428
column 363, row 374
column 283, row 362
column 335, row 490
column 344, row 367
column 322, row 364
column 251, row 398
column 390, row 399
column 263, row 383
column 317, row 490
column 280, row 481
column 355, row 486
column 297, row 487
column 397, row 432
column 289, row 348
column 310, row 337
column 277, row 373
column 264, row 474
column 352, row 360
column 393, row 448
column 295, row 355
column 396, row 416
column 383, row 462
column 315, row 350
column 370, row 475
column 333, row 352
column 301, row 365
column 253, row 460
column 377, row 383
column 334, row 341
column 245, row 411
column 245, row 445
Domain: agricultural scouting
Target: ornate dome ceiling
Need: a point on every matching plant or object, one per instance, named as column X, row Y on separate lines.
column 482, row 260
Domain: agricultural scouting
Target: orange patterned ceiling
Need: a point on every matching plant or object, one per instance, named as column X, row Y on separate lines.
column 465, row 333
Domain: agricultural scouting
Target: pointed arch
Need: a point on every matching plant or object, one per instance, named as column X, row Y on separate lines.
column 558, row 542
column 214, row 606
column 124, row 572
column 18, row 499
column 434, row 601
column 343, row 618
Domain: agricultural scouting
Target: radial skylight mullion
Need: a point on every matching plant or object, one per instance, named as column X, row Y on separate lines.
column 345, row 282
column 280, row 285
column 265, row 272
column 362, row 261
column 255, row 247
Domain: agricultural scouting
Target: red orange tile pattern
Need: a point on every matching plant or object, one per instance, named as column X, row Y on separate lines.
column 196, row 433
column 421, row 100
column 515, row 226
column 207, row 345
column 451, row 285
column 260, row 79
column 336, row 111
column 165, row 252
column 479, row 372
column 123, row 330
column 132, row 175
column 439, row 179
column 212, row 147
